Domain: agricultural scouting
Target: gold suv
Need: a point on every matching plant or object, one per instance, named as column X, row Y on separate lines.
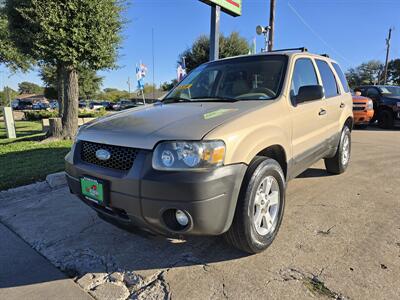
column 214, row 156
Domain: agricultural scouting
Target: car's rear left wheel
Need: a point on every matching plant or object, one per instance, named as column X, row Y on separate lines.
column 260, row 207
column 338, row 164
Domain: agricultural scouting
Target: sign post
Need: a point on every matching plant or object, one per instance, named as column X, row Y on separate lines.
column 231, row 7
column 214, row 34
column 10, row 125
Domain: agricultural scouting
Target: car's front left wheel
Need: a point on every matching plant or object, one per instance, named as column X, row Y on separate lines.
column 260, row 207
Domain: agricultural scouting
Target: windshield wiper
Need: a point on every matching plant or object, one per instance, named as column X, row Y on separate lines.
column 175, row 100
column 218, row 98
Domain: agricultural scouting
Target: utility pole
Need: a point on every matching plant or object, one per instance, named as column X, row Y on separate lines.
column 129, row 86
column 387, row 55
column 152, row 53
column 271, row 25
column 214, row 34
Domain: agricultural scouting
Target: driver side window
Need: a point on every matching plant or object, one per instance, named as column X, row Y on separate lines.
column 303, row 75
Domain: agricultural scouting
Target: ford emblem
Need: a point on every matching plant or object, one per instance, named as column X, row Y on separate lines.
column 103, row 154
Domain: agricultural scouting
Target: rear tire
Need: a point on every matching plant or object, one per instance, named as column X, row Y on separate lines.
column 260, row 207
column 338, row 164
column 361, row 126
column 386, row 119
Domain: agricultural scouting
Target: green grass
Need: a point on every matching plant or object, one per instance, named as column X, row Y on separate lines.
column 22, row 128
column 26, row 162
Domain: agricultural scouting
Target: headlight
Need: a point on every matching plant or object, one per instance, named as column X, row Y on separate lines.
column 398, row 104
column 186, row 155
column 370, row 105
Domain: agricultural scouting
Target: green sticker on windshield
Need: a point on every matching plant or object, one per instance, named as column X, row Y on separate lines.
column 218, row 113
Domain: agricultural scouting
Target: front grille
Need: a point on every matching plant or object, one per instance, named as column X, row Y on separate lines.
column 121, row 158
column 358, row 108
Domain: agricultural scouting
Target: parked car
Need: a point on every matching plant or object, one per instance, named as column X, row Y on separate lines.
column 82, row 104
column 107, row 105
column 54, row 105
column 40, row 106
column 363, row 110
column 215, row 155
column 124, row 104
column 14, row 104
column 24, row 105
column 95, row 105
column 386, row 100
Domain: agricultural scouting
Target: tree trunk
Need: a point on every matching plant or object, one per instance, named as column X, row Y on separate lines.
column 71, row 106
column 60, row 89
column 55, row 127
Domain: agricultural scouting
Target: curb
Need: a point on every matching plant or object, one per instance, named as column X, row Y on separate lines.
column 56, row 179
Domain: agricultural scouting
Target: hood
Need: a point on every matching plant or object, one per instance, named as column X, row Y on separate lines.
column 392, row 98
column 143, row 127
column 359, row 98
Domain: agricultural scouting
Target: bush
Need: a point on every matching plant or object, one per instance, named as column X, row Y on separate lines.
column 92, row 114
column 40, row 114
column 45, row 114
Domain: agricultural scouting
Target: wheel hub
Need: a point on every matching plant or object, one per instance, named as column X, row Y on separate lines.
column 346, row 150
column 266, row 206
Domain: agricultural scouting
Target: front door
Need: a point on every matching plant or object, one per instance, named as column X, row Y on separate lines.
column 309, row 119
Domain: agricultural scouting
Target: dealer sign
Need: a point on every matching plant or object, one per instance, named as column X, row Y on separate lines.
column 232, row 7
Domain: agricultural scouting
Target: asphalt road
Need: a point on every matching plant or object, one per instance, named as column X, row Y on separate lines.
column 340, row 238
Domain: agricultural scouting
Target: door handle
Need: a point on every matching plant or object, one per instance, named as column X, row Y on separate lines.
column 342, row 105
column 322, row 112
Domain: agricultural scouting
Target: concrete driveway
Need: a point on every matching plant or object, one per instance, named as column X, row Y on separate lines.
column 340, row 238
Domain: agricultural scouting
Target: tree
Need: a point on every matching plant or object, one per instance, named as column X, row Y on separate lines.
column 114, row 95
column 167, row 86
column 232, row 45
column 26, row 87
column 394, row 71
column 367, row 73
column 3, row 96
column 89, row 82
column 10, row 56
column 70, row 35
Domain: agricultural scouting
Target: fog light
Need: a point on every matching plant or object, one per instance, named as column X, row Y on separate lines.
column 181, row 218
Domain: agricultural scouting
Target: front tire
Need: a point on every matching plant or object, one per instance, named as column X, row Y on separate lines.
column 386, row 119
column 260, row 207
column 338, row 164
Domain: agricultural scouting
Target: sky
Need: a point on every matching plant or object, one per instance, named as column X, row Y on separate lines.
column 350, row 31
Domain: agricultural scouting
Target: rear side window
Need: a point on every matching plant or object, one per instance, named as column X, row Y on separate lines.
column 303, row 75
column 342, row 78
column 328, row 79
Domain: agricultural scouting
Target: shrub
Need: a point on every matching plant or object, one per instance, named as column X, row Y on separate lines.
column 45, row 114
column 92, row 114
column 40, row 114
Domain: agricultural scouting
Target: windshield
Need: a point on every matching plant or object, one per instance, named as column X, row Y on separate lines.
column 390, row 90
column 245, row 78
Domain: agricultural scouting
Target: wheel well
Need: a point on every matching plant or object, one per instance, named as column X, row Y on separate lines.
column 349, row 122
column 386, row 108
column 278, row 153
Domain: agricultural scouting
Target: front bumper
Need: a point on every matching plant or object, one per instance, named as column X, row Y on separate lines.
column 143, row 197
column 363, row 117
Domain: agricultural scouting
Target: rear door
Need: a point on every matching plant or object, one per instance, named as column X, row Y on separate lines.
column 334, row 100
column 309, row 118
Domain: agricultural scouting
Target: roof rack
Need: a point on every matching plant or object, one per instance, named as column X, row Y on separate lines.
column 325, row 55
column 302, row 49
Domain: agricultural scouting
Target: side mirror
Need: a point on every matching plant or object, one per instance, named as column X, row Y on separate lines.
column 309, row 93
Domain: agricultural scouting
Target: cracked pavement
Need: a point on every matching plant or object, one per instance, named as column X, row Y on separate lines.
column 340, row 238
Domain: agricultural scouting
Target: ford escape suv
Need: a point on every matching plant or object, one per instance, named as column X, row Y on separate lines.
column 215, row 155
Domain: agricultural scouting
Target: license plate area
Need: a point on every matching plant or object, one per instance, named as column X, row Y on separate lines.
column 95, row 190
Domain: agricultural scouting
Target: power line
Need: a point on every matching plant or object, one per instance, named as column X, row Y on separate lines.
column 316, row 33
